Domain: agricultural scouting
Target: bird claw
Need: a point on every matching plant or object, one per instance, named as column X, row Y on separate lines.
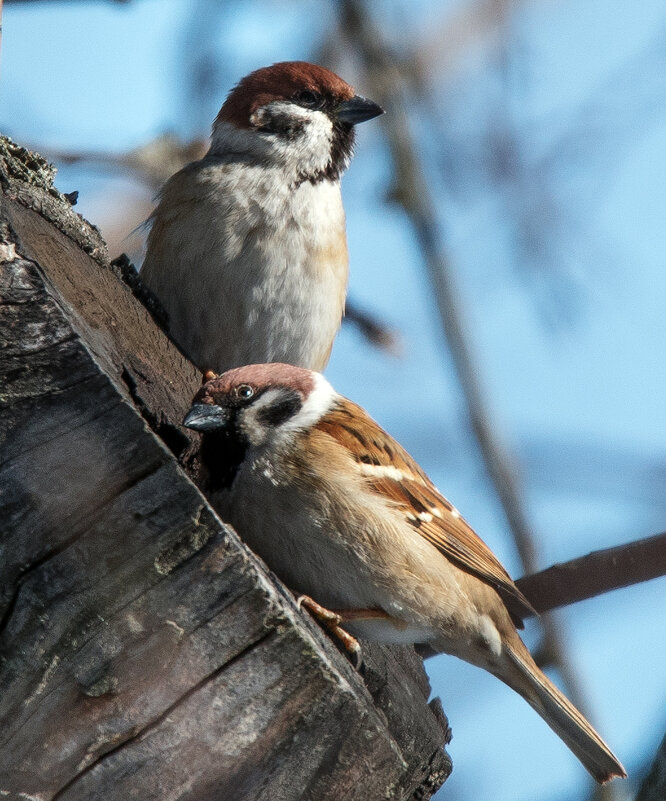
column 331, row 622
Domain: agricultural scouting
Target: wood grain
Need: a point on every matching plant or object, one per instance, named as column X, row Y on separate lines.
column 145, row 652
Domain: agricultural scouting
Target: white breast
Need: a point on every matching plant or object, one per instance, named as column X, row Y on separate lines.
column 248, row 268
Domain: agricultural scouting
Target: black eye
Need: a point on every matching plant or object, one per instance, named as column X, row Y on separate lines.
column 244, row 392
column 308, row 99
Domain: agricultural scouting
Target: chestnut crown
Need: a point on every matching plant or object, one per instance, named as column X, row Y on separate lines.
column 295, row 81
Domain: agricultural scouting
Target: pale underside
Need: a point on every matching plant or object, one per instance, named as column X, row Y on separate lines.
column 249, row 260
column 354, row 564
column 360, row 526
column 265, row 278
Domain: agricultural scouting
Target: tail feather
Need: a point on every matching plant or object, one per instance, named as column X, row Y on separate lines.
column 563, row 718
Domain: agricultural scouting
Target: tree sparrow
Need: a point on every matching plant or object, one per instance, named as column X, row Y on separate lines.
column 343, row 514
column 247, row 250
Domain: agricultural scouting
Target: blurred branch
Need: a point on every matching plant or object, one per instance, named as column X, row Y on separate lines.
column 445, row 46
column 154, row 162
column 16, row 2
column 596, row 573
column 374, row 330
column 653, row 787
column 411, row 191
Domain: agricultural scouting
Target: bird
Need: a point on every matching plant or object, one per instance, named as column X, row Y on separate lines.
column 343, row 514
column 247, row 249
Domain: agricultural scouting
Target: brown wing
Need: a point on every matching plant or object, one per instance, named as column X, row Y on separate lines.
column 389, row 470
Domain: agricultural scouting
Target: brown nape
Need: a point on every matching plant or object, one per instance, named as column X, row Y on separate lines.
column 280, row 81
column 258, row 376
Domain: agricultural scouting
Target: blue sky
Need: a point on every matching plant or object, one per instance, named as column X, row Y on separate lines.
column 579, row 401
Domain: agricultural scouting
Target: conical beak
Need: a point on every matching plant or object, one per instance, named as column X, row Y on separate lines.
column 206, row 417
column 358, row 109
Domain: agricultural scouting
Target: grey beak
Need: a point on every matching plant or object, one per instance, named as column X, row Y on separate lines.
column 358, row 109
column 204, row 417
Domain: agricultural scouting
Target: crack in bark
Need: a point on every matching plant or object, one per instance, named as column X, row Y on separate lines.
column 93, row 631
column 220, row 609
column 26, row 354
column 49, row 393
column 172, row 436
column 156, row 722
column 4, row 302
column 91, row 517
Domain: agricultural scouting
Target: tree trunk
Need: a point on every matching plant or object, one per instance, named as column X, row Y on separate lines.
column 145, row 652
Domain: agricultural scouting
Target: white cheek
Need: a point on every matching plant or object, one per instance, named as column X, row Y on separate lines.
column 318, row 402
column 307, row 152
column 248, row 421
column 311, row 150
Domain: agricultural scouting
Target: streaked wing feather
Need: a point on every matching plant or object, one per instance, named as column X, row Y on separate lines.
column 380, row 458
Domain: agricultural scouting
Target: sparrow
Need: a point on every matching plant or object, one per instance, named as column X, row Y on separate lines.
column 342, row 513
column 247, row 250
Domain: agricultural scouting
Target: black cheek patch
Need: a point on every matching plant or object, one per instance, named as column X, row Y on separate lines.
column 280, row 411
column 342, row 147
column 284, row 126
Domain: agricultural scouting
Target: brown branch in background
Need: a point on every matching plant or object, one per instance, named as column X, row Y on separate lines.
column 374, row 330
column 16, row 2
column 153, row 163
column 588, row 576
column 596, row 573
column 653, row 787
column 411, row 191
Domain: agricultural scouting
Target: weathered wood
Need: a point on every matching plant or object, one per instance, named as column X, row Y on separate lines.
column 145, row 652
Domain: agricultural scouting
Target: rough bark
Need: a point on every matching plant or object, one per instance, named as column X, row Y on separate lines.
column 144, row 650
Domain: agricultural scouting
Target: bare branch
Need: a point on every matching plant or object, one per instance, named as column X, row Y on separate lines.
column 153, row 162
column 412, row 192
column 596, row 573
column 653, row 787
column 374, row 330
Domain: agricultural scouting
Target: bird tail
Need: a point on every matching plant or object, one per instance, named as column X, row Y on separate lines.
column 563, row 717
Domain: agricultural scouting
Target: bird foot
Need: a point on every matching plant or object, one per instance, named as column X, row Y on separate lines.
column 331, row 622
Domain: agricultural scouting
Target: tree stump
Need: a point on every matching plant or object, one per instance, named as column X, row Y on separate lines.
column 145, row 652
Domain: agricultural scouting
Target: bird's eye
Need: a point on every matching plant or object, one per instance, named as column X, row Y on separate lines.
column 308, row 99
column 245, row 392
